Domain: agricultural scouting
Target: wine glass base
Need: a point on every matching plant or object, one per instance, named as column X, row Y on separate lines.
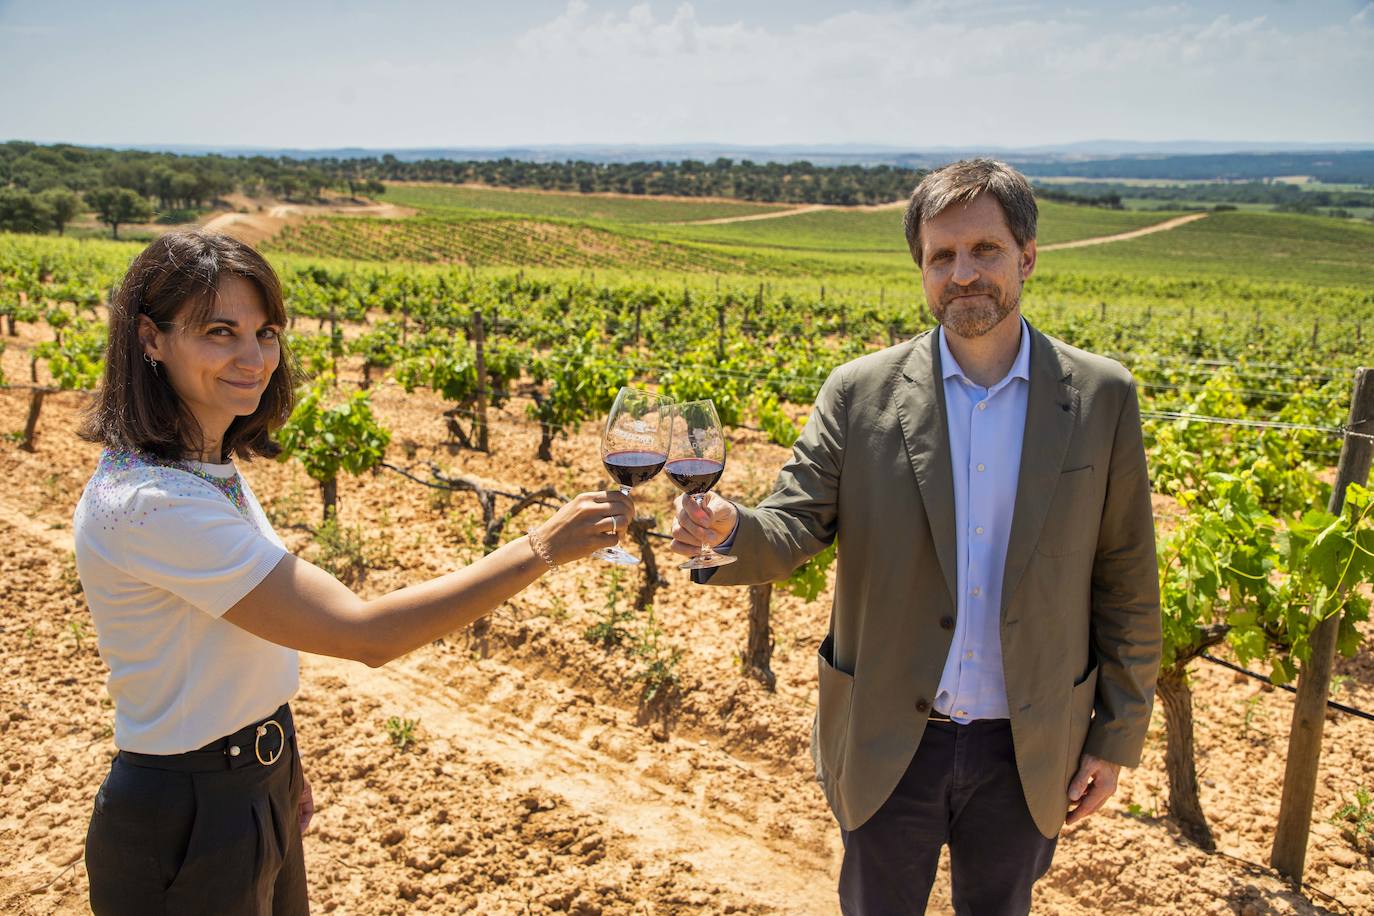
column 710, row 561
column 616, row 555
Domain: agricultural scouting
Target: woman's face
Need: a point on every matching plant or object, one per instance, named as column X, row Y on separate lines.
column 220, row 369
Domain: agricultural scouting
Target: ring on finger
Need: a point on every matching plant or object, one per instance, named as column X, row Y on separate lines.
column 615, row 523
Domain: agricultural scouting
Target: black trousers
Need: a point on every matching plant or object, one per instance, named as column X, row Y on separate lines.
column 961, row 789
column 208, row 831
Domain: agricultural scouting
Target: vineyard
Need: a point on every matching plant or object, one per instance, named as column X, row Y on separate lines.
column 440, row 199
column 626, row 729
column 489, row 242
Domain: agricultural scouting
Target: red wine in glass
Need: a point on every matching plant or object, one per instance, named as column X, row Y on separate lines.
column 634, row 447
column 695, row 476
column 632, row 468
column 696, row 459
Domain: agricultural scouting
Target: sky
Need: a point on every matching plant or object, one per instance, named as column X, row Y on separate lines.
column 915, row 74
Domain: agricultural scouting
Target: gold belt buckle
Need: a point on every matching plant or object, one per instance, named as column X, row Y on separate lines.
column 262, row 730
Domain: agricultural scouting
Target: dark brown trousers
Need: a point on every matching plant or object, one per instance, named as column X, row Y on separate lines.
column 961, row 790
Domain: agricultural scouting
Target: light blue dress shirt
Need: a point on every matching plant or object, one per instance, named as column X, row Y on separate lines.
column 986, row 429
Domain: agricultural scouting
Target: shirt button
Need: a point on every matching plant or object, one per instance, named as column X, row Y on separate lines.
column 968, row 655
column 946, row 623
column 977, row 591
column 982, row 405
column 978, row 530
column 982, row 467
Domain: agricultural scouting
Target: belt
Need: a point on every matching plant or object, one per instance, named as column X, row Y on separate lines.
column 939, row 717
column 260, row 743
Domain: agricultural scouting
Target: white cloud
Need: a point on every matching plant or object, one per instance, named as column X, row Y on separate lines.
column 934, row 72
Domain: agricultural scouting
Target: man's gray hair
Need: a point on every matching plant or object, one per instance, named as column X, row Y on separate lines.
column 961, row 182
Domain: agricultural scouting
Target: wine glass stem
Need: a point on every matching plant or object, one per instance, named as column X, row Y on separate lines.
column 706, row 550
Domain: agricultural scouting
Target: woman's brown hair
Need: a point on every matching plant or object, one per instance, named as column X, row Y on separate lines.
column 175, row 281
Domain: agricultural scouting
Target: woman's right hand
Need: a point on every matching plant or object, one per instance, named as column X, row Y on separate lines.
column 584, row 525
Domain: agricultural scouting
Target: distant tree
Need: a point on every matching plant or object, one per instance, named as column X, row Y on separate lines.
column 21, row 211
column 63, row 205
column 119, row 205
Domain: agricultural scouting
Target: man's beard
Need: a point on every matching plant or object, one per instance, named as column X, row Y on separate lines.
column 974, row 319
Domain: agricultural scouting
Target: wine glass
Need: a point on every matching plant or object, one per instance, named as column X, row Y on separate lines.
column 633, row 448
column 696, row 459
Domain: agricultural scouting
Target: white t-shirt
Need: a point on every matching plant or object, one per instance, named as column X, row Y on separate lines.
column 163, row 550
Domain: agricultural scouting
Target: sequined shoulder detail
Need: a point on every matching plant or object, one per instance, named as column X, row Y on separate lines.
column 116, row 465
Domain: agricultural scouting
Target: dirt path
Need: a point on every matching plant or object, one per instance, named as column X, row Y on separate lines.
column 1077, row 243
column 664, row 797
column 795, row 211
column 809, row 208
column 1125, row 236
column 255, row 227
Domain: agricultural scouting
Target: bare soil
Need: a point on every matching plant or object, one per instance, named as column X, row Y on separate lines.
column 537, row 781
column 265, row 218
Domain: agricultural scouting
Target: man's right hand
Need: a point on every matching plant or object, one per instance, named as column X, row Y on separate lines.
column 709, row 523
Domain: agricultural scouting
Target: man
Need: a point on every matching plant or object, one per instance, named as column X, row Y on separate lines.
column 995, row 636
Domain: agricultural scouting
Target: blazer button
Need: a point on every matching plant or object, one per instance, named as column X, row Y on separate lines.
column 922, row 706
column 946, row 623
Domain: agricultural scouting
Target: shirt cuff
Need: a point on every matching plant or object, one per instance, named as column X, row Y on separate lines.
column 725, row 545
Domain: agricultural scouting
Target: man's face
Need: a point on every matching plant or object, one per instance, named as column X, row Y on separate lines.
column 972, row 269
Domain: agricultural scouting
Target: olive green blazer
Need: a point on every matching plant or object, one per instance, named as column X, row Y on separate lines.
column 1080, row 621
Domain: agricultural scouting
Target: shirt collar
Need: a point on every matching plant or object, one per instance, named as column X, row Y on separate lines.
column 1020, row 367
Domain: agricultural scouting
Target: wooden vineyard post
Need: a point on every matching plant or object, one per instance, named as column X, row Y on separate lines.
column 639, row 314
column 1103, row 307
column 479, row 342
column 1289, row 854
column 758, row 654
column 720, row 332
column 333, row 337
column 1316, row 329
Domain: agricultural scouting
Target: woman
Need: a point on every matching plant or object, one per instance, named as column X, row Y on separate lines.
column 199, row 608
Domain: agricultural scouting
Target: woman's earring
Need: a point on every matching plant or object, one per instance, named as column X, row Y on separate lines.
column 151, row 362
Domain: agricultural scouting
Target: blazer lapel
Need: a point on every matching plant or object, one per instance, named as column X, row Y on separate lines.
column 921, row 412
column 1051, row 415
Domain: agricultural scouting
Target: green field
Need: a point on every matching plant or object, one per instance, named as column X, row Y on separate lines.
column 442, row 200
column 1313, row 250
column 461, row 226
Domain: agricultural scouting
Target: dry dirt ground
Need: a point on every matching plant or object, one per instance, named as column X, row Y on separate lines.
column 537, row 782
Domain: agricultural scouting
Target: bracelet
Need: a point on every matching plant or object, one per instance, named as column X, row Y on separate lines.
column 540, row 548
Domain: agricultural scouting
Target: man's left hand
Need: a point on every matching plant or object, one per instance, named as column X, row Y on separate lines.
column 1092, row 785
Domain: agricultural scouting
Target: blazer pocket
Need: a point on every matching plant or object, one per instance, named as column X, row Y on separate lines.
column 832, row 722
column 1069, row 526
column 1081, row 702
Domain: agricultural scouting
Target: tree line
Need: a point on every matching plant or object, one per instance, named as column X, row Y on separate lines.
column 782, row 182
column 43, row 188
column 1281, row 195
column 177, row 185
